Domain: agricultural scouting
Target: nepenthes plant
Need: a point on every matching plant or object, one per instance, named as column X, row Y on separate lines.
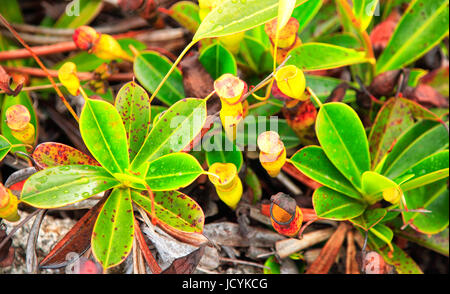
column 374, row 153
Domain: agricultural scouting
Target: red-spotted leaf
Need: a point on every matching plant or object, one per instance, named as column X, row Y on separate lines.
column 369, row 218
column 113, row 233
column 172, row 171
column 394, row 118
column 174, row 209
column 173, row 131
column 104, row 135
column 402, row 262
column 331, row 204
column 313, row 162
column 52, row 154
column 133, row 105
column 63, row 185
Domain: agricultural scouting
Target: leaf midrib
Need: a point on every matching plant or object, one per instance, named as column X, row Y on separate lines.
column 345, row 147
column 103, row 137
column 163, row 142
column 168, row 83
column 411, row 38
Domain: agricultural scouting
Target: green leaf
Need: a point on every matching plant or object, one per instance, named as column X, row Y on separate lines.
column 104, row 134
column 150, row 68
column 306, row 12
column 254, row 55
column 156, row 112
column 24, row 99
column 373, row 184
column 415, row 75
column 174, row 130
column 331, row 204
column 433, row 197
column 11, row 11
column 313, row 162
column 319, row 56
column 108, row 96
column 252, row 181
column 438, row 242
column 404, row 141
column 78, row 13
column 174, row 209
column 423, row 25
column 392, row 120
column 343, row 139
column 272, row 267
column 249, row 130
column 172, row 171
column 383, row 233
column 346, row 40
column 413, row 146
column 272, row 107
column 112, row 238
column 217, row 60
column 236, row 16
column 224, row 151
column 431, row 169
column 258, row 33
column 369, row 218
column 324, row 86
column 63, row 185
column 186, row 13
column 5, row 147
column 55, row 154
column 364, row 11
column 133, row 105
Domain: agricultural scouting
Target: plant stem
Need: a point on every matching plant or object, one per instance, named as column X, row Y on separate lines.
column 189, row 46
column 367, row 43
column 316, row 99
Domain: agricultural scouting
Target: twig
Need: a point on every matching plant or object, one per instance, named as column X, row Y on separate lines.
column 31, row 258
column 39, row 62
column 243, row 262
column 351, row 265
column 83, row 76
column 149, row 258
column 289, row 184
column 38, row 50
column 35, row 88
column 21, row 224
column 123, row 26
column 66, row 45
column 286, row 247
column 329, row 252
